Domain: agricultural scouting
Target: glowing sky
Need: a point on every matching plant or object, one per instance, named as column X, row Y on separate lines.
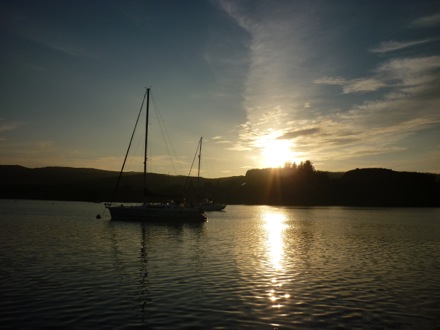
column 345, row 84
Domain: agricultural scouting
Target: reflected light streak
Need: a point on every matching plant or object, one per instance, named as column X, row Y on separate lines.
column 274, row 225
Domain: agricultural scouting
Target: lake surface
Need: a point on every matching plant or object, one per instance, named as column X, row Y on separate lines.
column 250, row 267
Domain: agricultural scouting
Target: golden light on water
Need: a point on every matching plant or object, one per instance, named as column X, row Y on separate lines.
column 274, row 225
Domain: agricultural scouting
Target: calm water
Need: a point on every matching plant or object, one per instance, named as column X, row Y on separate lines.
column 250, row 267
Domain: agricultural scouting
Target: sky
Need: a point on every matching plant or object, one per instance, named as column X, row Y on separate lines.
column 345, row 84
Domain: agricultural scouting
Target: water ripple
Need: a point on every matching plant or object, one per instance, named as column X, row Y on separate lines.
column 248, row 268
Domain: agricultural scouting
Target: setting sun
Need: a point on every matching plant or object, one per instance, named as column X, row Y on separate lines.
column 275, row 153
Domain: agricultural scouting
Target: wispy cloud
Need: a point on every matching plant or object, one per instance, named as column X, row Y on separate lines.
column 353, row 86
column 427, row 21
column 376, row 127
column 373, row 127
column 398, row 72
column 359, row 140
column 363, row 85
column 42, row 32
column 302, row 132
column 223, row 142
column 276, row 62
column 6, row 125
column 408, row 69
column 35, row 149
column 70, row 48
column 389, row 46
column 412, row 76
column 331, row 81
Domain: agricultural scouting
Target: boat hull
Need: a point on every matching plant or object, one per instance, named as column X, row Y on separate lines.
column 212, row 207
column 154, row 213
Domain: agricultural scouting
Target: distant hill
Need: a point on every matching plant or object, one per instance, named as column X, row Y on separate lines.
column 85, row 184
column 282, row 186
column 58, row 183
column 383, row 187
column 359, row 187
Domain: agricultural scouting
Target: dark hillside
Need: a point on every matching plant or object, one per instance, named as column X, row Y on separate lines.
column 300, row 185
column 59, row 183
column 63, row 183
column 360, row 187
column 383, row 187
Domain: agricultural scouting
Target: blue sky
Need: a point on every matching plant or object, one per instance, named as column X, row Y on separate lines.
column 344, row 84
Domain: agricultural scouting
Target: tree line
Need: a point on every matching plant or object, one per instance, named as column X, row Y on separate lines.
column 294, row 184
column 303, row 185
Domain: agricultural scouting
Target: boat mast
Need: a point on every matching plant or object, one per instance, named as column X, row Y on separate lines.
column 129, row 147
column 198, row 168
column 146, row 141
column 200, row 156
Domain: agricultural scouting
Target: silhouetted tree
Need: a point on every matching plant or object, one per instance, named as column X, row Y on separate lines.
column 306, row 168
column 291, row 165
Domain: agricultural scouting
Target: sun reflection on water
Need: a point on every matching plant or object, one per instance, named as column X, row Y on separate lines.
column 274, row 224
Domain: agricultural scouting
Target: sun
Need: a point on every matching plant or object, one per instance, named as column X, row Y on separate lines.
column 276, row 153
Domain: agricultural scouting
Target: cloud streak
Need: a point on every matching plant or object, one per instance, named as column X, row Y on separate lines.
column 390, row 46
column 360, row 85
column 299, row 133
column 427, row 21
column 40, row 31
column 6, row 125
column 276, row 57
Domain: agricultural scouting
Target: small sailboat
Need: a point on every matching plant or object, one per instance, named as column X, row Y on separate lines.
column 206, row 204
column 149, row 211
column 209, row 205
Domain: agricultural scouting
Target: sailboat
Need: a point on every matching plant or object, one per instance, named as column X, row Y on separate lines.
column 148, row 211
column 206, row 204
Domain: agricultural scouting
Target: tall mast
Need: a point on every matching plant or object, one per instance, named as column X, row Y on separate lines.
column 198, row 167
column 146, row 141
column 200, row 156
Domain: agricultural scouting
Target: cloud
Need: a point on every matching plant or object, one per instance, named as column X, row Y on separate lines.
column 346, row 138
column 26, row 149
column 41, row 31
column 397, row 72
column 389, row 46
column 416, row 65
column 8, row 125
column 276, row 57
column 239, row 147
column 353, row 86
column 380, row 126
column 362, row 85
column 411, row 71
column 331, row 81
column 302, row 132
column 69, row 48
column 375, row 127
column 427, row 21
